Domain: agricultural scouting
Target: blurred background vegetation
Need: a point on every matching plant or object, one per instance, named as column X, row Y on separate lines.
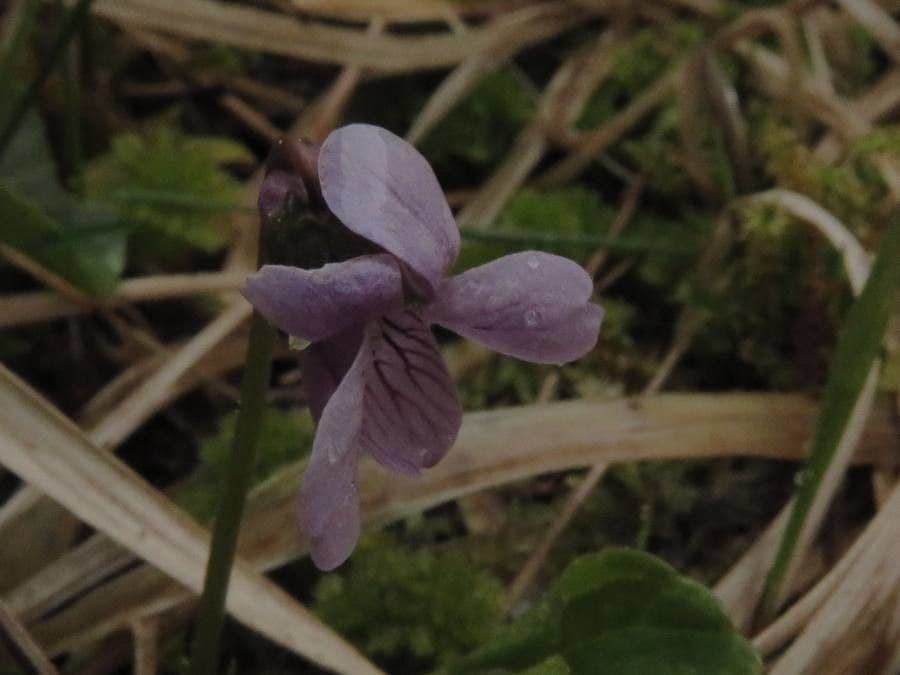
column 655, row 142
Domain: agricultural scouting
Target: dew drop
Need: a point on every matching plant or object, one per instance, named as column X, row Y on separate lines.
column 297, row 344
column 533, row 262
column 532, row 318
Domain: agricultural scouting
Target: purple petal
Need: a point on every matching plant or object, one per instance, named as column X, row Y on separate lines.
column 531, row 305
column 329, row 497
column 381, row 188
column 324, row 366
column 412, row 413
column 316, row 304
column 395, row 399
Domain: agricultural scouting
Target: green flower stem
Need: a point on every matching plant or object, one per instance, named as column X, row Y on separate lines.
column 211, row 614
column 67, row 30
column 857, row 347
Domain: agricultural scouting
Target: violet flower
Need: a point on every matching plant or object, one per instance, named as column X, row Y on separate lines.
column 374, row 377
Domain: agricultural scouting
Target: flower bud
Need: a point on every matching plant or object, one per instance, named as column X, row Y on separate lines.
column 300, row 158
column 279, row 195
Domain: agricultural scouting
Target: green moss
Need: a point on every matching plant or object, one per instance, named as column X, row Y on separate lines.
column 778, row 314
column 481, row 129
column 170, row 186
column 883, row 140
column 890, row 374
column 562, row 213
column 849, row 190
column 639, row 61
column 285, row 437
column 410, row 609
column 655, row 154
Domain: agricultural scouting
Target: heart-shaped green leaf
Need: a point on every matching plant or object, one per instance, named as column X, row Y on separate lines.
column 621, row 612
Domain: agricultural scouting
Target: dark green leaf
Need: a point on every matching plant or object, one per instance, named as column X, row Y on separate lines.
column 84, row 244
column 622, row 612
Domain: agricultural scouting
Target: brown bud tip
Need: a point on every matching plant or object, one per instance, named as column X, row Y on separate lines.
column 279, row 191
column 298, row 157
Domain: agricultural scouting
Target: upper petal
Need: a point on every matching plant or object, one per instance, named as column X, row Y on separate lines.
column 316, row 304
column 531, row 305
column 383, row 189
column 412, row 413
column 329, row 496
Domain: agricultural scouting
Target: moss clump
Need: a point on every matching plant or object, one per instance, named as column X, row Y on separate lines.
column 410, row 610
column 849, row 190
column 639, row 61
column 562, row 214
column 285, row 437
column 170, row 186
column 480, row 130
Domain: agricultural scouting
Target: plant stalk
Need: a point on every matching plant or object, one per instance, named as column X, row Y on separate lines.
column 211, row 613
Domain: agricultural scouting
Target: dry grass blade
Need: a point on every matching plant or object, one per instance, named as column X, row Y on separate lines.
column 855, row 629
column 791, row 622
column 576, row 498
column 874, row 104
column 847, row 395
column 48, row 531
column 560, row 105
column 493, row 448
column 152, row 395
column 46, row 449
column 451, row 91
column 271, row 33
column 394, row 11
column 146, row 645
column 694, row 125
column 587, row 146
column 467, row 75
column 25, row 308
column 772, row 77
column 857, row 262
column 48, row 278
column 833, row 476
column 158, row 389
column 878, row 22
column 20, row 640
column 82, row 568
column 536, row 559
column 818, row 57
column 742, row 587
column 726, row 110
column 324, row 114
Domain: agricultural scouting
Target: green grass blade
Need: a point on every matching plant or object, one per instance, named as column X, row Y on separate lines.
column 66, row 31
column 625, row 244
column 856, row 350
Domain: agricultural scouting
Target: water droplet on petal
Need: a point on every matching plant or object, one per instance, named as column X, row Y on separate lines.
column 533, row 262
column 532, row 318
column 297, row 344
